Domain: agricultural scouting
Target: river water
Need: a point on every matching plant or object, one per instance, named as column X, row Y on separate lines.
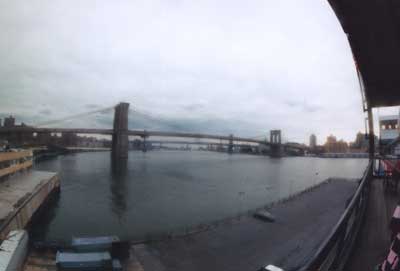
column 162, row 191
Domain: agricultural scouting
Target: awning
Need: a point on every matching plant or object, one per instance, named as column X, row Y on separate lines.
column 373, row 28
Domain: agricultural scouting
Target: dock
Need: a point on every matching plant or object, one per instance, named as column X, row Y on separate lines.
column 247, row 243
column 22, row 190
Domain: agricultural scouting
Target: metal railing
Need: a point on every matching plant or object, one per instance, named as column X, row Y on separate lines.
column 335, row 250
column 12, row 162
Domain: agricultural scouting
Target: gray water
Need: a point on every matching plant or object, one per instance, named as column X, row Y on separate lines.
column 164, row 191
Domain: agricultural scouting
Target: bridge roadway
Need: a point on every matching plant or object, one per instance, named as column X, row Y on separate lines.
column 141, row 133
column 196, row 143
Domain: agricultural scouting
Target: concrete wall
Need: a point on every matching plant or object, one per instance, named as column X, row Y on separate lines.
column 13, row 251
column 21, row 216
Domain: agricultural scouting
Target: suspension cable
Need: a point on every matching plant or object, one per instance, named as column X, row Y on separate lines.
column 102, row 110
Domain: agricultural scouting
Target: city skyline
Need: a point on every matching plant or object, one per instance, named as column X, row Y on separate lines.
column 11, row 121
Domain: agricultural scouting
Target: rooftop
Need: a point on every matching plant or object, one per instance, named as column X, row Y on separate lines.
column 389, row 117
column 373, row 28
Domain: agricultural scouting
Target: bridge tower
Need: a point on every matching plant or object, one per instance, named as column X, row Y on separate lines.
column 120, row 135
column 144, row 143
column 276, row 143
column 230, row 144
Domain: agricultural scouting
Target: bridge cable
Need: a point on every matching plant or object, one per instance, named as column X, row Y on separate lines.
column 167, row 122
column 102, row 110
column 156, row 119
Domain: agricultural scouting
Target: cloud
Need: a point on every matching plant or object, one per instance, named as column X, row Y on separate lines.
column 193, row 107
column 46, row 112
column 211, row 66
column 304, row 106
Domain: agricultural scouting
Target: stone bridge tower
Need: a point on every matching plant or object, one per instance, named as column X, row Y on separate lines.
column 276, row 143
column 120, row 141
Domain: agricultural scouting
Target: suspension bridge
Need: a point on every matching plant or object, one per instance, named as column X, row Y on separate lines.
column 120, row 133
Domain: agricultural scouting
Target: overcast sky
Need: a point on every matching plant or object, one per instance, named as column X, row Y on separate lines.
column 210, row 66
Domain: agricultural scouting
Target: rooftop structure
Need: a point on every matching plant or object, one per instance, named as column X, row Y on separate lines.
column 388, row 128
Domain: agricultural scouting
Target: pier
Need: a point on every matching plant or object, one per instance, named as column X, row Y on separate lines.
column 241, row 243
column 247, row 243
column 23, row 191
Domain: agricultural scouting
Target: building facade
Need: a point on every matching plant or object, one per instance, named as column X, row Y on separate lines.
column 333, row 145
column 388, row 128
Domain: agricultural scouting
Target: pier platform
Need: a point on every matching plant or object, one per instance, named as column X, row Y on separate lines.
column 247, row 243
column 22, row 195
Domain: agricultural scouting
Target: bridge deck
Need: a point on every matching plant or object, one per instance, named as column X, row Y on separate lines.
column 143, row 133
column 248, row 243
column 374, row 240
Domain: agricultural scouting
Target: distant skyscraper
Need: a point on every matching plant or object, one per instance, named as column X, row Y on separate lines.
column 9, row 122
column 361, row 141
column 313, row 141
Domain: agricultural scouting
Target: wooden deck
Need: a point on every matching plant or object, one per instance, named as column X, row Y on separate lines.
column 40, row 261
column 373, row 243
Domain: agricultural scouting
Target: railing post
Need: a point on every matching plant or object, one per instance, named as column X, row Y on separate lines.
column 371, row 134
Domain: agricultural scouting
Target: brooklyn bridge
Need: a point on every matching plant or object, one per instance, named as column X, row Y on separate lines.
column 120, row 134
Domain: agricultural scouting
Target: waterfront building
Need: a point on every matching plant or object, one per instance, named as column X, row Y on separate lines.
column 360, row 144
column 89, row 142
column 44, row 138
column 388, row 128
column 16, row 139
column 9, row 122
column 333, row 145
column 69, row 139
column 389, row 131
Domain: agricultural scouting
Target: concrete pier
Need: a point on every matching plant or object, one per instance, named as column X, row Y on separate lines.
column 21, row 196
column 244, row 243
column 248, row 243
